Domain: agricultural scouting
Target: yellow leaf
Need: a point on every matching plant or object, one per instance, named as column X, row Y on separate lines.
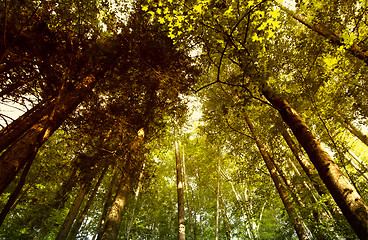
column 145, row 8
column 197, row 8
column 161, row 20
column 275, row 13
column 262, row 27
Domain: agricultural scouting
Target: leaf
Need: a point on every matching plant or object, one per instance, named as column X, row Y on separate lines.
column 145, row 8
column 275, row 13
column 256, row 38
column 263, row 26
column 197, row 8
column 161, row 20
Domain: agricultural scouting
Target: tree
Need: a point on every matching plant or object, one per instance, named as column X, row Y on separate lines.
column 180, row 190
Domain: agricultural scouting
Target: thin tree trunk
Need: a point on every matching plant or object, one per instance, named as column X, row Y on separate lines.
column 355, row 131
column 328, row 34
column 297, row 223
column 66, row 188
column 73, row 211
column 13, row 197
column 78, row 223
column 218, row 197
column 26, row 147
column 107, row 204
column 288, row 183
column 345, row 195
column 226, row 219
column 136, row 195
column 180, row 192
column 245, row 213
column 186, row 191
column 304, row 163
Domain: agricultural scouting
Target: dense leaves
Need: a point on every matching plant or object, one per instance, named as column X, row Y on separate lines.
column 113, row 79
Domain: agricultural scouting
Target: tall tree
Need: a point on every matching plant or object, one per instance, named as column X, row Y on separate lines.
column 180, row 189
column 345, row 195
column 293, row 215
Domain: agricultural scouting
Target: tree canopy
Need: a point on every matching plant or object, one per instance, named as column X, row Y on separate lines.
column 197, row 119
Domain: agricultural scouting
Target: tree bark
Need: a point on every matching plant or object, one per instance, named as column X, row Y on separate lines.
column 226, row 220
column 288, row 183
column 14, row 195
column 304, row 163
column 107, row 204
column 23, row 123
column 327, row 33
column 355, row 131
column 180, row 192
column 26, row 147
column 136, row 195
column 218, row 197
column 132, row 168
column 297, row 223
column 111, row 229
column 78, row 223
column 345, row 195
column 73, row 211
column 186, row 192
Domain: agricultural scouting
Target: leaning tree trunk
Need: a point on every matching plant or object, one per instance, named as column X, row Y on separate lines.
column 354, row 130
column 304, row 163
column 78, row 223
column 26, row 147
column 135, row 203
column 73, row 211
column 14, row 195
column 345, row 195
column 297, row 223
column 329, row 34
column 111, row 229
column 180, row 192
column 130, row 173
column 107, row 204
column 23, row 123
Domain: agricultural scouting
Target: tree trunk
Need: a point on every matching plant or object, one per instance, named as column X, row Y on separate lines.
column 132, row 168
column 304, row 163
column 218, row 197
column 226, row 220
column 78, row 223
column 107, row 204
column 136, row 195
column 186, row 192
column 26, row 147
column 66, row 188
column 13, row 197
column 73, row 211
column 345, row 195
column 288, row 183
column 355, row 131
column 327, row 33
column 180, row 192
column 297, row 223
column 111, row 229
column 23, row 123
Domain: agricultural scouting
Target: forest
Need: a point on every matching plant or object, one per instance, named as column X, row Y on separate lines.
column 183, row 119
